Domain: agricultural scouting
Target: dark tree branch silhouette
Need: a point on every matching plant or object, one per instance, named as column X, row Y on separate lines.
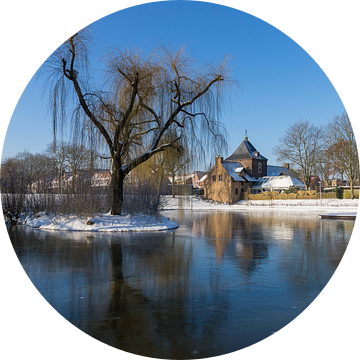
column 143, row 99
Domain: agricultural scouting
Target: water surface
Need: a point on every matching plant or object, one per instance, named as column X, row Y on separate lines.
column 219, row 283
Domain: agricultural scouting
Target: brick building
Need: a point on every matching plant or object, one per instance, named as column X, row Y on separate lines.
column 230, row 179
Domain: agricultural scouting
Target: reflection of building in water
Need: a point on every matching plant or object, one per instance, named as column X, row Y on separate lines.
column 219, row 228
column 198, row 225
column 245, row 238
column 282, row 231
column 250, row 254
column 220, row 246
column 229, row 233
column 219, row 225
column 254, row 250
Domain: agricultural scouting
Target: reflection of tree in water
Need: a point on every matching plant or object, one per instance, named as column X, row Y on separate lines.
column 308, row 243
column 171, row 296
column 155, row 308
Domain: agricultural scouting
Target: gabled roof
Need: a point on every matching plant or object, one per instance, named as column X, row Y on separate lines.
column 273, row 170
column 233, row 168
column 230, row 167
column 199, row 174
column 203, row 178
column 245, row 150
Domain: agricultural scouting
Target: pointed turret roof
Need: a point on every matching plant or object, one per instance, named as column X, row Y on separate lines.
column 245, row 150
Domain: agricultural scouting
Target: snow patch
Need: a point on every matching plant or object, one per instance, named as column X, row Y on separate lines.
column 105, row 223
column 325, row 205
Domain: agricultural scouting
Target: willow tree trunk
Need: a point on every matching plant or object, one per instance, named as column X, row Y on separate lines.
column 117, row 179
column 173, row 186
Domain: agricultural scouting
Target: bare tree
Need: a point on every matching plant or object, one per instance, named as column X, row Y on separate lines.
column 342, row 149
column 300, row 146
column 176, row 160
column 42, row 168
column 78, row 158
column 58, row 153
column 325, row 168
column 14, row 181
column 143, row 98
column 26, row 164
column 144, row 188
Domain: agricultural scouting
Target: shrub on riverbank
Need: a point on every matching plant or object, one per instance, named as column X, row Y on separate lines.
column 139, row 199
column 347, row 194
column 300, row 195
column 143, row 199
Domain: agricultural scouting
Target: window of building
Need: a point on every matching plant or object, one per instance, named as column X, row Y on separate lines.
column 259, row 168
column 220, row 178
column 214, row 178
column 236, row 191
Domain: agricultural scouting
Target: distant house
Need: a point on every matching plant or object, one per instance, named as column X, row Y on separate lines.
column 181, row 184
column 279, row 178
column 228, row 181
column 273, row 170
column 60, row 184
column 41, row 185
column 202, row 181
column 101, row 180
column 67, row 182
column 277, row 183
column 314, row 182
column 246, row 171
column 198, row 180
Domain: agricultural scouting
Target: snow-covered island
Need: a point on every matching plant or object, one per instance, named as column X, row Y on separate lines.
column 104, row 223
column 110, row 223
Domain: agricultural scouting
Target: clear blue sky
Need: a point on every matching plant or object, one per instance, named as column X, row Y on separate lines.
column 280, row 82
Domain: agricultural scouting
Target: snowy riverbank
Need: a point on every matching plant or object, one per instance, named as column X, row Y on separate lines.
column 109, row 223
column 325, row 205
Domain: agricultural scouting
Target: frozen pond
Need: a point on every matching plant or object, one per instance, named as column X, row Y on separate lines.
column 221, row 282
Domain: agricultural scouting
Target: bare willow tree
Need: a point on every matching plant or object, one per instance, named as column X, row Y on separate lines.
column 176, row 160
column 342, row 148
column 301, row 145
column 142, row 99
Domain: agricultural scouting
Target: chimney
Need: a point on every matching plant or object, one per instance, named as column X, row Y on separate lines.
column 219, row 159
column 246, row 138
column 287, row 165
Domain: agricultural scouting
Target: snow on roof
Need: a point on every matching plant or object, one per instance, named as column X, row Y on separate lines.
column 278, row 182
column 200, row 174
column 203, row 178
column 250, row 178
column 231, row 167
column 234, row 169
column 273, row 170
column 181, row 178
column 102, row 175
